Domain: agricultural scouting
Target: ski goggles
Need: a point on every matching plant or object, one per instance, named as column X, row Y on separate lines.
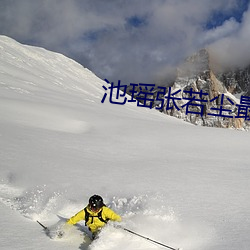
column 94, row 208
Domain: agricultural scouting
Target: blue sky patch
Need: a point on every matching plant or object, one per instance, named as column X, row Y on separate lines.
column 136, row 21
column 219, row 17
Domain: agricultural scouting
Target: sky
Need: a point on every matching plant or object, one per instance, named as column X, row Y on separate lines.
column 139, row 41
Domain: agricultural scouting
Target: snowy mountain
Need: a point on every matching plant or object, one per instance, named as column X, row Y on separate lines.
column 237, row 81
column 216, row 94
column 182, row 185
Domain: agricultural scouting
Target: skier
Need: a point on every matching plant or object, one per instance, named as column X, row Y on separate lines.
column 95, row 214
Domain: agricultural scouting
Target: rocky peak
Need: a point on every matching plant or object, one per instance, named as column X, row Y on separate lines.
column 237, row 81
column 197, row 64
column 197, row 70
column 198, row 73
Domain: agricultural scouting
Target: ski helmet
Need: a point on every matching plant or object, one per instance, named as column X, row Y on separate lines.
column 95, row 202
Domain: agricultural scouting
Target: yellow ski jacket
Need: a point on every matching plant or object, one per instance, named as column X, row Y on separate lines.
column 94, row 223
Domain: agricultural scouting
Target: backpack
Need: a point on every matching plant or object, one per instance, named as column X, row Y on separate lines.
column 88, row 216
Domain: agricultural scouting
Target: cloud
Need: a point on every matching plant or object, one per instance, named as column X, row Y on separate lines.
column 228, row 28
column 233, row 49
column 134, row 41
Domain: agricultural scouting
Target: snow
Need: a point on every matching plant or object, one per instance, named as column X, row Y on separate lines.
column 182, row 185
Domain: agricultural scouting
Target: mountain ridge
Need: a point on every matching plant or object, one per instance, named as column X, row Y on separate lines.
column 199, row 73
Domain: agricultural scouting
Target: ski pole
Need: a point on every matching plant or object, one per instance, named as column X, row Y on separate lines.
column 146, row 238
column 45, row 228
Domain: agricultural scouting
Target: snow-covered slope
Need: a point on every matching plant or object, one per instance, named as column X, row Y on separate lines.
column 179, row 184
